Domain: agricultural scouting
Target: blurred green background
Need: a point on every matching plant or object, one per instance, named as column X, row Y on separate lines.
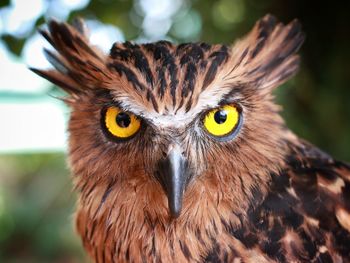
column 36, row 200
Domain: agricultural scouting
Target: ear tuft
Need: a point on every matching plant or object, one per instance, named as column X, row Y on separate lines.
column 266, row 57
column 79, row 67
column 79, row 24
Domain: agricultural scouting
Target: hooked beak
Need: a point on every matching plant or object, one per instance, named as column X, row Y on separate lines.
column 173, row 175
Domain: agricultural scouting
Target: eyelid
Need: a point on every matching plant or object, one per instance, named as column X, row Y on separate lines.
column 221, row 104
column 106, row 131
column 228, row 101
column 234, row 131
column 119, row 106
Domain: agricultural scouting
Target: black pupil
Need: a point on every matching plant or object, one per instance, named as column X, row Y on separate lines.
column 123, row 119
column 220, row 116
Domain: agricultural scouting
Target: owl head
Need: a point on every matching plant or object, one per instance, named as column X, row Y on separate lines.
column 164, row 131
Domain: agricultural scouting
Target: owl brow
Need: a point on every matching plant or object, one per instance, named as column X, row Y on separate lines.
column 130, row 75
column 231, row 95
column 118, row 104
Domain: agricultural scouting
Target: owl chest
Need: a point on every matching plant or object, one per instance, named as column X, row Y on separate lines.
column 127, row 241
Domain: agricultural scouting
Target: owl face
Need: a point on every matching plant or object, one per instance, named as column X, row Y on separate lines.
column 163, row 126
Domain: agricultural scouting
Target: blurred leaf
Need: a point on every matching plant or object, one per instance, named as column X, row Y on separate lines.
column 4, row 3
column 13, row 44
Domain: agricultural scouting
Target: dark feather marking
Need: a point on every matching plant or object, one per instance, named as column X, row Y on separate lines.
column 118, row 248
column 79, row 25
column 95, row 68
column 294, row 47
column 244, row 54
column 203, row 64
column 286, row 212
column 194, row 53
column 129, row 45
column 47, row 36
column 214, row 226
column 88, row 192
column 92, row 230
column 340, row 239
column 173, row 84
column 346, row 195
column 127, row 255
column 257, row 196
column 199, row 236
column 162, row 81
column 258, row 47
column 96, row 255
column 129, row 74
column 290, row 70
column 60, row 32
column 279, row 200
column 293, row 219
column 216, row 254
column 189, row 104
column 64, row 85
column 108, row 231
column 266, row 26
column 213, row 255
column 242, row 185
column 225, row 256
column 204, row 46
column 189, row 79
column 84, row 46
column 228, row 97
column 153, row 249
column 144, row 260
column 112, row 252
column 105, row 196
column 248, row 239
column 165, row 43
column 133, row 52
column 180, row 49
column 285, row 51
column 180, row 105
column 150, row 97
column 117, row 53
column 141, row 63
column 266, row 68
column 273, row 247
column 324, row 258
column 294, row 31
column 309, row 246
column 103, row 255
column 218, row 57
column 161, row 52
column 185, row 250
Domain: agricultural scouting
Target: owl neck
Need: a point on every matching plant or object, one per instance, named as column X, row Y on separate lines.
column 120, row 220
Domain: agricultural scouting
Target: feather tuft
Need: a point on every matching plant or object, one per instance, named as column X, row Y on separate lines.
column 266, row 57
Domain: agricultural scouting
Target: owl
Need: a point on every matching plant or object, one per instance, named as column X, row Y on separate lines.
column 179, row 153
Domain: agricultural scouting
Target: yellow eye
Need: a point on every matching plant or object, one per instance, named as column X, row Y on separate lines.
column 222, row 121
column 121, row 124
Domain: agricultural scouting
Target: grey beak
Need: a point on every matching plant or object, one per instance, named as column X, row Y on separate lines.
column 173, row 175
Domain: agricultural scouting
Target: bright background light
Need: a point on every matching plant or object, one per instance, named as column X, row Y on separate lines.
column 34, row 120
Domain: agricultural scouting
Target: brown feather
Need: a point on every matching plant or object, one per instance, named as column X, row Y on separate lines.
column 262, row 196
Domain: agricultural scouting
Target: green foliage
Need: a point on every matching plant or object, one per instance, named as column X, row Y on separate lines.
column 36, row 206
